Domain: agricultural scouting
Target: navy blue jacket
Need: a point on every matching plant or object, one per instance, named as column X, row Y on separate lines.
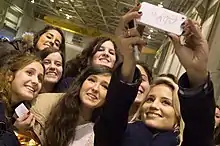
column 197, row 109
column 7, row 136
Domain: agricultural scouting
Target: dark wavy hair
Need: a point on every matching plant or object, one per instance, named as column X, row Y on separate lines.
column 61, row 124
column 44, row 30
column 76, row 65
column 47, row 51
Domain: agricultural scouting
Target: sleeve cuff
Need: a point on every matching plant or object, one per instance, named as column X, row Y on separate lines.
column 186, row 91
column 136, row 79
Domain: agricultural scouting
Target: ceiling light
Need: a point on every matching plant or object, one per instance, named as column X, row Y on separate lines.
column 32, row 1
column 149, row 37
column 68, row 16
column 160, row 4
column 52, row 1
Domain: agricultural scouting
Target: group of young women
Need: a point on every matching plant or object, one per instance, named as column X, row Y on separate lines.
column 103, row 97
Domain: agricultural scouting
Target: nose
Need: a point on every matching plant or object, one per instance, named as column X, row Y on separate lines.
column 51, row 42
column 95, row 87
column 106, row 53
column 52, row 66
column 155, row 105
column 35, row 80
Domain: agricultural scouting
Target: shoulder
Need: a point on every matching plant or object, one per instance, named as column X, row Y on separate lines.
column 42, row 105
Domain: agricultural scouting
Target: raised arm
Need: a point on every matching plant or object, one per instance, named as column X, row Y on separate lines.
column 196, row 90
column 123, row 88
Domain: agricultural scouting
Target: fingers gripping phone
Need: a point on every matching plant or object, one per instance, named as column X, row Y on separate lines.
column 161, row 18
column 140, row 29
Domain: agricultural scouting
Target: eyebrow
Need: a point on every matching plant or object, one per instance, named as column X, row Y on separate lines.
column 167, row 99
column 107, row 48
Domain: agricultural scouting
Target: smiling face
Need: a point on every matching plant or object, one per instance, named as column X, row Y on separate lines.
column 53, row 68
column 105, row 55
column 51, row 38
column 144, row 86
column 157, row 111
column 27, row 82
column 94, row 89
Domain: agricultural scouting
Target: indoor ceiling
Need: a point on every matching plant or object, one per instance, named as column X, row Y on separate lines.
column 104, row 14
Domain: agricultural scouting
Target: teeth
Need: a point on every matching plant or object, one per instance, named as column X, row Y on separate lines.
column 30, row 88
column 92, row 96
column 105, row 60
column 51, row 73
column 152, row 115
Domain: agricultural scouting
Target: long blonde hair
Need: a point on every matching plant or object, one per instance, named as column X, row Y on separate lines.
column 175, row 103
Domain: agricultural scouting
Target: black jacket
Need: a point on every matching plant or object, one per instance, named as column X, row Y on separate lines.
column 7, row 136
column 197, row 109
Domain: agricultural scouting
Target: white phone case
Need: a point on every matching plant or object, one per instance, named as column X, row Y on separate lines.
column 161, row 18
column 21, row 110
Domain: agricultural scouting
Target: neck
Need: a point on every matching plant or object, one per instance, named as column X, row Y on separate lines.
column 14, row 99
column 133, row 110
column 47, row 87
column 85, row 115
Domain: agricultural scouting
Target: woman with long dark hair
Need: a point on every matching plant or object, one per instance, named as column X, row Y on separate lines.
column 101, row 51
column 61, row 119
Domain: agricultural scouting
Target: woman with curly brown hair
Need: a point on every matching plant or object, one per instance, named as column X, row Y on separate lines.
column 20, row 80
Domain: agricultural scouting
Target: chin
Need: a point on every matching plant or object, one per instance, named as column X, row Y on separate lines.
column 151, row 124
column 49, row 80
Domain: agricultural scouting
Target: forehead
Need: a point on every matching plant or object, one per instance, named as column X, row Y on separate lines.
column 34, row 65
column 102, row 77
column 108, row 44
column 53, row 32
column 161, row 90
column 54, row 56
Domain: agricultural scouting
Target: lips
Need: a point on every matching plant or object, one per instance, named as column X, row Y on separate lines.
column 51, row 73
column 104, row 60
column 48, row 45
column 30, row 88
column 92, row 96
column 153, row 115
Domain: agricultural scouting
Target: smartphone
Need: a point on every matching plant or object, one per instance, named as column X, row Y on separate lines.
column 21, row 110
column 161, row 18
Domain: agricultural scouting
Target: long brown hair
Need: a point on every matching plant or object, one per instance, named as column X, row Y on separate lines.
column 13, row 64
column 61, row 124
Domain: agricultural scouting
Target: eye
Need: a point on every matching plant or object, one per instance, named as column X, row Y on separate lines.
column 57, row 44
column 91, row 80
column 29, row 72
column 58, row 64
column 49, row 37
column 149, row 99
column 166, row 102
column 105, row 86
column 46, row 62
column 112, row 52
column 101, row 48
